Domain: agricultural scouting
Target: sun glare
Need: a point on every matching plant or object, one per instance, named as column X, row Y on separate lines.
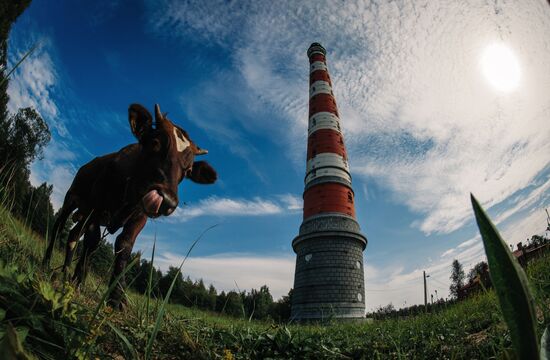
column 501, row 67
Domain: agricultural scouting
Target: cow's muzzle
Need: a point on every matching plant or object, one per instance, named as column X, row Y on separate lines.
column 157, row 203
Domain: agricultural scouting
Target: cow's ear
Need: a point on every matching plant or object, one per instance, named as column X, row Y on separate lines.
column 203, row 173
column 140, row 120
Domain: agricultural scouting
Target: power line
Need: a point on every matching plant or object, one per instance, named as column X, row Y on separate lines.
column 439, row 282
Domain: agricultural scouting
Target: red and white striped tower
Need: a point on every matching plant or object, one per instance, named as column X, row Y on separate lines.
column 329, row 276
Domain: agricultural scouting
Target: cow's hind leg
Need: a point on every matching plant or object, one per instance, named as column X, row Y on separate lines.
column 69, row 205
column 92, row 237
column 74, row 235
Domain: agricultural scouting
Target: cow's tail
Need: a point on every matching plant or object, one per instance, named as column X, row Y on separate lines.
column 69, row 205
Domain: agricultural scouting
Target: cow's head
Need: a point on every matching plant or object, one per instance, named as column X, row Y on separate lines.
column 167, row 157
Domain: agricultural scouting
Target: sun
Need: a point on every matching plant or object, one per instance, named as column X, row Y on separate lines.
column 501, row 67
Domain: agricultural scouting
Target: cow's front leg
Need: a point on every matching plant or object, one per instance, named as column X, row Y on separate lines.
column 123, row 249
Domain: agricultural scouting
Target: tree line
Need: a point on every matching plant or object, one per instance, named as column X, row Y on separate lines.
column 253, row 304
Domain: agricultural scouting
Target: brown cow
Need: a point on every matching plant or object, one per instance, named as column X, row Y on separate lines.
column 123, row 189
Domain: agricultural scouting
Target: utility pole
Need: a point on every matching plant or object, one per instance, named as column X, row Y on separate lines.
column 425, row 293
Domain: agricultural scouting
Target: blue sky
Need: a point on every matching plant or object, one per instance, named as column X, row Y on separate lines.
column 423, row 125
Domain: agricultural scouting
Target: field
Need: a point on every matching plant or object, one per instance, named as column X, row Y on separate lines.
column 52, row 320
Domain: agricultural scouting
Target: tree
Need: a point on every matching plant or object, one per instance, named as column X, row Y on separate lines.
column 37, row 208
column 258, row 303
column 166, row 281
column 537, row 240
column 23, row 136
column 142, row 278
column 281, row 308
column 103, row 258
column 27, row 134
column 457, row 278
column 211, row 300
column 478, row 270
column 233, row 304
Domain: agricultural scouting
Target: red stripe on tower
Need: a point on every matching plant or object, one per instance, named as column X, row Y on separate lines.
column 328, row 179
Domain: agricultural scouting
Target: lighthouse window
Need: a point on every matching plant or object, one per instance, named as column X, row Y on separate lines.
column 314, row 88
column 359, row 297
column 350, row 197
column 314, row 122
column 308, row 257
column 358, row 264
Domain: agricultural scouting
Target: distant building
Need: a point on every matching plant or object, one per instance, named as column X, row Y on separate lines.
column 524, row 254
column 329, row 276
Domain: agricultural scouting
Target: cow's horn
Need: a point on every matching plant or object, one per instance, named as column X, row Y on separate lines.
column 158, row 114
column 201, row 152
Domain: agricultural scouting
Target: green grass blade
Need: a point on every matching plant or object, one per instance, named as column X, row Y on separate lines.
column 102, row 301
column 545, row 345
column 129, row 346
column 510, row 282
column 27, row 54
column 150, row 280
column 109, row 290
column 160, row 312
column 11, row 346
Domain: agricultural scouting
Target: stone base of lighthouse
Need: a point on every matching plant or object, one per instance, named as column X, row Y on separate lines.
column 329, row 278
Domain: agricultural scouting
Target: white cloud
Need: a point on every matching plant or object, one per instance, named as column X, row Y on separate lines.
column 539, row 192
column 246, row 270
column 220, row 206
column 33, row 83
column 55, row 168
column 418, row 115
column 448, row 252
column 292, row 202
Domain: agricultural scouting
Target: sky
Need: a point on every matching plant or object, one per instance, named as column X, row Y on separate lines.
column 437, row 99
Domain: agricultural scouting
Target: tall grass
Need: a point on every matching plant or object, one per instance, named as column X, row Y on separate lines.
column 160, row 311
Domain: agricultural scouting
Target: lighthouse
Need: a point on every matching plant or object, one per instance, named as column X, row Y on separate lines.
column 329, row 275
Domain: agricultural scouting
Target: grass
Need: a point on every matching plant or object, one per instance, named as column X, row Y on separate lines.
column 53, row 320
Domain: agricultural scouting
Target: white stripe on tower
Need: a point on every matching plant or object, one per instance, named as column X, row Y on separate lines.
column 320, row 87
column 324, row 120
column 327, row 172
column 317, row 65
column 327, row 160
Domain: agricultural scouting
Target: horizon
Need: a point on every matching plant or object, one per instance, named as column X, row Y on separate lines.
column 435, row 102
